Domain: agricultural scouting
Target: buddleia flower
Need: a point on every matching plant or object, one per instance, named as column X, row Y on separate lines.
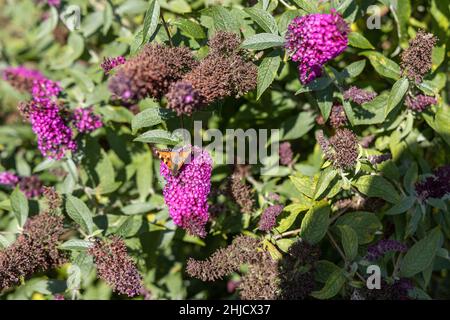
column 315, row 39
column 416, row 60
column 116, row 267
column 151, row 72
column 35, row 250
column 186, row 193
column 224, row 72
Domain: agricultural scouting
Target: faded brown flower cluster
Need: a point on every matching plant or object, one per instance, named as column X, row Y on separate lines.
column 266, row 278
column 36, row 249
column 150, row 73
column 116, row 267
column 416, row 61
column 224, row 72
column 341, row 149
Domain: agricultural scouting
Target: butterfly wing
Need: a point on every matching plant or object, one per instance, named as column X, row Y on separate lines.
column 174, row 159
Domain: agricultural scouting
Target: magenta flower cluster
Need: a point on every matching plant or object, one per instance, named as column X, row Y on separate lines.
column 8, row 179
column 44, row 90
column 85, row 120
column 186, row 194
column 22, row 72
column 315, row 39
column 54, row 135
column 110, row 63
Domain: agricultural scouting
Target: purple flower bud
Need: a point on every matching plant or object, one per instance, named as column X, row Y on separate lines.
column 384, row 246
column 338, row 117
column 420, row 102
column 359, row 96
column 286, row 154
column 183, row 98
column 436, row 186
column 31, row 186
column 110, row 63
column 377, row 159
column 268, row 218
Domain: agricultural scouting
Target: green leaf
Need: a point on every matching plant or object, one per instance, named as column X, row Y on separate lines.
column 384, row 66
column 159, row 136
column 354, row 69
column 297, row 126
column 263, row 41
column 86, row 84
column 126, row 227
column 396, row 95
column 289, row 216
column 421, row 254
column 349, row 239
column 19, row 206
column 325, row 179
column 151, row 20
column 324, row 100
column 73, row 277
column 190, row 28
column 138, row 208
column 377, row 186
column 307, row 5
column 324, row 269
column 315, row 223
column 316, row 85
column 438, row 56
column 441, row 122
column 284, row 244
column 372, row 112
column 411, row 177
column 45, row 165
column 71, row 52
column 137, row 42
column 48, row 25
column 332, row 287
column 304, row 184
column 144, row 175
column 357, row 40
column 364, row 223
column 267, row 71
column 402, row 13
column 116, row 114
column 75, row 244
column 105, row 172
column 264, row 19
column 222, row 19
column 80, row 213
column 108, row 16
column 147, row 118
column 404, row 205
column 91, row 23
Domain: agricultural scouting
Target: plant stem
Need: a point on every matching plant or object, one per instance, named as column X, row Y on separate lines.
column 286, row 234
column 166, row 28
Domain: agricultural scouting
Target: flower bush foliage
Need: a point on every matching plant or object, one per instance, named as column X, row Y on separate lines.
column 90, row 90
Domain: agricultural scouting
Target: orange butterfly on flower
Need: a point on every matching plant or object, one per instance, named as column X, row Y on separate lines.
column 175, row 158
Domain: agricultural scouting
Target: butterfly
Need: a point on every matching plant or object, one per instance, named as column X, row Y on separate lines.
column 174, row 158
